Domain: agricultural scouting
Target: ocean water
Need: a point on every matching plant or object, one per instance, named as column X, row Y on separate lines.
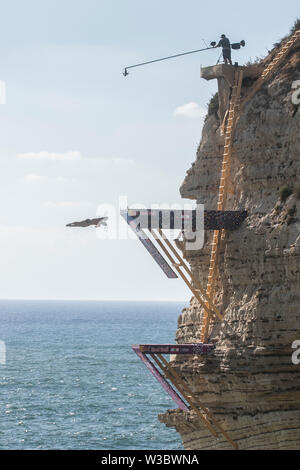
column 71, row 380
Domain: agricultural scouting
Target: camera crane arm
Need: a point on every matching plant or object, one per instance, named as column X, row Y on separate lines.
column 212, row 44
column 125, row 73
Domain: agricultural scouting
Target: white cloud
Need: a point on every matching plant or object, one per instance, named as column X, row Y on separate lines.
column 62, row 179
column 75, row 156
column 190, row 110
column 33, row 177
column 50, row 156
column 122, row 161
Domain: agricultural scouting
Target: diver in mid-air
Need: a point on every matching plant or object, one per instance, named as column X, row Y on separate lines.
column 86, row 223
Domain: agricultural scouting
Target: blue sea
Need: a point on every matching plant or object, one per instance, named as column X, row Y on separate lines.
column 71, row 380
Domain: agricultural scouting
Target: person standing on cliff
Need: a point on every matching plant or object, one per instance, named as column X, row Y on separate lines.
column 226, row 46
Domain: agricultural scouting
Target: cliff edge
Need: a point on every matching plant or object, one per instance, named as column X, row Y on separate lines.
column 249, row 383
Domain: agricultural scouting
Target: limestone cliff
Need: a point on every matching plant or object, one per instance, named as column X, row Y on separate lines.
column 250, row 383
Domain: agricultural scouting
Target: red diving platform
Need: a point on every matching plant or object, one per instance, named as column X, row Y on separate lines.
column 193, row 348
column 152, row 349
column 175, row 386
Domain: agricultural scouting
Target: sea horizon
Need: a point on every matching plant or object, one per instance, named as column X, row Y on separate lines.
column 72, row 381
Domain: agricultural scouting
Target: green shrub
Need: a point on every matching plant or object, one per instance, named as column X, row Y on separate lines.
column 296, row 26
column 284, row 192
column 213, row 106
column 293, row 30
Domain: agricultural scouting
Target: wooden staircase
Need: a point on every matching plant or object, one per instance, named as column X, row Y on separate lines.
column 271, row 68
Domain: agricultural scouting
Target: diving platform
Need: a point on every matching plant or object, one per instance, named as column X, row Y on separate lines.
column 166, row 255
column 185, row 219
column 192, row 348
column 156, row 351
column 175, row 386
column 225, row 74
column 228, row 71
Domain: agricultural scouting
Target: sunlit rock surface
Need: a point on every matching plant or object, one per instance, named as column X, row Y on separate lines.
column 250, row 383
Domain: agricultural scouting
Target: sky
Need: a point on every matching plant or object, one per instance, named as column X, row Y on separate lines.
column 77, row 135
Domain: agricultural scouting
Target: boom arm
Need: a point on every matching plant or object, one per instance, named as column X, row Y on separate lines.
column 125, row 73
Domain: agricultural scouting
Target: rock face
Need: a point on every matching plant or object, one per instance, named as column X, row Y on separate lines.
column 250, row 383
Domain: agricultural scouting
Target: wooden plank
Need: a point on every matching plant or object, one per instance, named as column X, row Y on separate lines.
column 211, row 306
column 150, row 247
column 180, row 259
column 181, row 390
column 187, row 392
column 158, row 376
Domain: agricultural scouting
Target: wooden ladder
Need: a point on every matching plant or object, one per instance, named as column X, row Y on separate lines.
column 229, row 134
column 180, row 266
column 234, row 112
column 271, row 68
